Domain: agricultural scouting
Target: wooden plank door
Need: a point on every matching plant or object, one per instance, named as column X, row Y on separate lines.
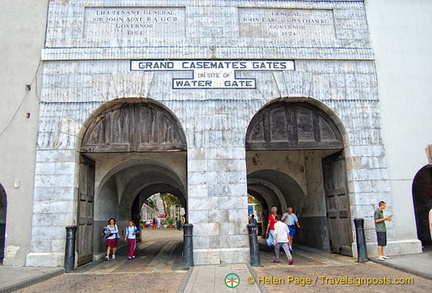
column 85, row 211
column 3, row 204
column 337, row 202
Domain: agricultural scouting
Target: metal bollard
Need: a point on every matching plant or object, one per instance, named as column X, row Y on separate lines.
column 188, row 246
column 255, row 260
column 69, row 261
column 361, row 240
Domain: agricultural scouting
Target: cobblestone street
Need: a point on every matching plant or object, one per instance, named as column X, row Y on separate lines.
column 158, row 268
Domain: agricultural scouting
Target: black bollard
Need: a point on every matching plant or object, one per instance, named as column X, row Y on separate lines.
column 361, row 240
column 69, row 261
column 255, row 260
column 188, row 246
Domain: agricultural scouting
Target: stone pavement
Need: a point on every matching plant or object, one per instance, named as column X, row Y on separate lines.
column 316, row 271
column 158, row 268
column 15, row 278
column 416, row 264
column 211, row 278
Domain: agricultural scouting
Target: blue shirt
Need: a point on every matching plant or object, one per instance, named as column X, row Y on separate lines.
column 290, row 221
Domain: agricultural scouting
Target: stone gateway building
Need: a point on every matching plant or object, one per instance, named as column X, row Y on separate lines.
column 211, row 101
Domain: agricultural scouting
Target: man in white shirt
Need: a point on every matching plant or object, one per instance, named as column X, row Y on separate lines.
column 281, row 239
column 292, row 222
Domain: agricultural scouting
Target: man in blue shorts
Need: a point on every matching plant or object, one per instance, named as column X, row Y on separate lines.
column 292, row 222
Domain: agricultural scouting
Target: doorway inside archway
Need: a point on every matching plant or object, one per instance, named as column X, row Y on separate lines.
column 295, row 159
column 422, row 198
column 130, row 151
column 3, row 206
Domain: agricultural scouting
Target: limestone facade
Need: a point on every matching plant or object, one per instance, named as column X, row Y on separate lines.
column 87, row 67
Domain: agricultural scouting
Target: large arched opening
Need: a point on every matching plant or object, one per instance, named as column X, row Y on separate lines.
column 3, row 207
column 130, row 150
column 295, row 158
column 422, row 198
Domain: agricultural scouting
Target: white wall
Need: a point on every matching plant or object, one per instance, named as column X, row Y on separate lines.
column 401, row 39
column 22, row 37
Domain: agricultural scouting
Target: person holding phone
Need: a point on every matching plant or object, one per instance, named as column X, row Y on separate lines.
column 381, row 230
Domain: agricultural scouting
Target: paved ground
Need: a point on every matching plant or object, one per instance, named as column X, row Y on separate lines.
column 158, row 268
column 323, row 270
column 12, row 278
column 418, row 264
column 212, row 279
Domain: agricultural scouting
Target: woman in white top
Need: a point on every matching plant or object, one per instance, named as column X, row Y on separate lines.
column 112, row 233
column 130, row 236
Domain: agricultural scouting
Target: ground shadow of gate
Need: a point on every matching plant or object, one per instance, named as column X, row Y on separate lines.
column 295, row 158
column 131, row 149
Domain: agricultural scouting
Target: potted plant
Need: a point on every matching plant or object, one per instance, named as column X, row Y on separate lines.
column 170, row 222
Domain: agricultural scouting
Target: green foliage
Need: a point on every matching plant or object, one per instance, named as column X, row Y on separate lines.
column 169, row 200
column 151, row 203
column 257, row 205
column 169, row 221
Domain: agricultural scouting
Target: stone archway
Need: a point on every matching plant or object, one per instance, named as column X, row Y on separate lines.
column 128, row 146
column 3, row 209
column 300, row 141
column 422, row 198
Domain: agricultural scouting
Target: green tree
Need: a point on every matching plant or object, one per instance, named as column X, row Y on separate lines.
column 169, row 200
column 151, row 203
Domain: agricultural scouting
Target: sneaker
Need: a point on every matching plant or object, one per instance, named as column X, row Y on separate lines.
column 385, row 257
column 129, row 258
column 113, row 256
column 106, row 257
column 381, row 258
column 276, row 261
column 133, row 256
column 290, row 262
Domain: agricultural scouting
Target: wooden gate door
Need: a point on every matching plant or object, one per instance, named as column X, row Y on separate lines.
column 85, row 211
column 3, row 204
column 338, row 206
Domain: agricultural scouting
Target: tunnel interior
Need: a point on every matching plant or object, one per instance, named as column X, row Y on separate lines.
column 122, row 191
column 292, row 178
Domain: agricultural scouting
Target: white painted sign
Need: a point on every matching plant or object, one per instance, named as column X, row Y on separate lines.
column 212, row 74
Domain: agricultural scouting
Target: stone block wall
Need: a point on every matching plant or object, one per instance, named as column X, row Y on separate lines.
column 335, row 71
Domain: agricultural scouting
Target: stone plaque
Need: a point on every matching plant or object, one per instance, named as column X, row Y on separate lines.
column 128, row 22
column 286, row 23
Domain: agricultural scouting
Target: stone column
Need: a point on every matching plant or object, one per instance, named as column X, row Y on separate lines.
column 54, row 206
column 217, row 189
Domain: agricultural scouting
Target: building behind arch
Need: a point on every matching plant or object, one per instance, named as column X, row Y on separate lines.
column 347, row 124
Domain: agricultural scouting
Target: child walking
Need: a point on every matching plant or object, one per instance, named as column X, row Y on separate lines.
column 130, row 237
column 112, row 234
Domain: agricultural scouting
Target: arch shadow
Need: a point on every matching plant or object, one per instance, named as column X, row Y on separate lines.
column 422, row 199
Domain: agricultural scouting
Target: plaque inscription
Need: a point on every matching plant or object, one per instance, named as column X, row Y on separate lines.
column 132, row 22
column 286, row 23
